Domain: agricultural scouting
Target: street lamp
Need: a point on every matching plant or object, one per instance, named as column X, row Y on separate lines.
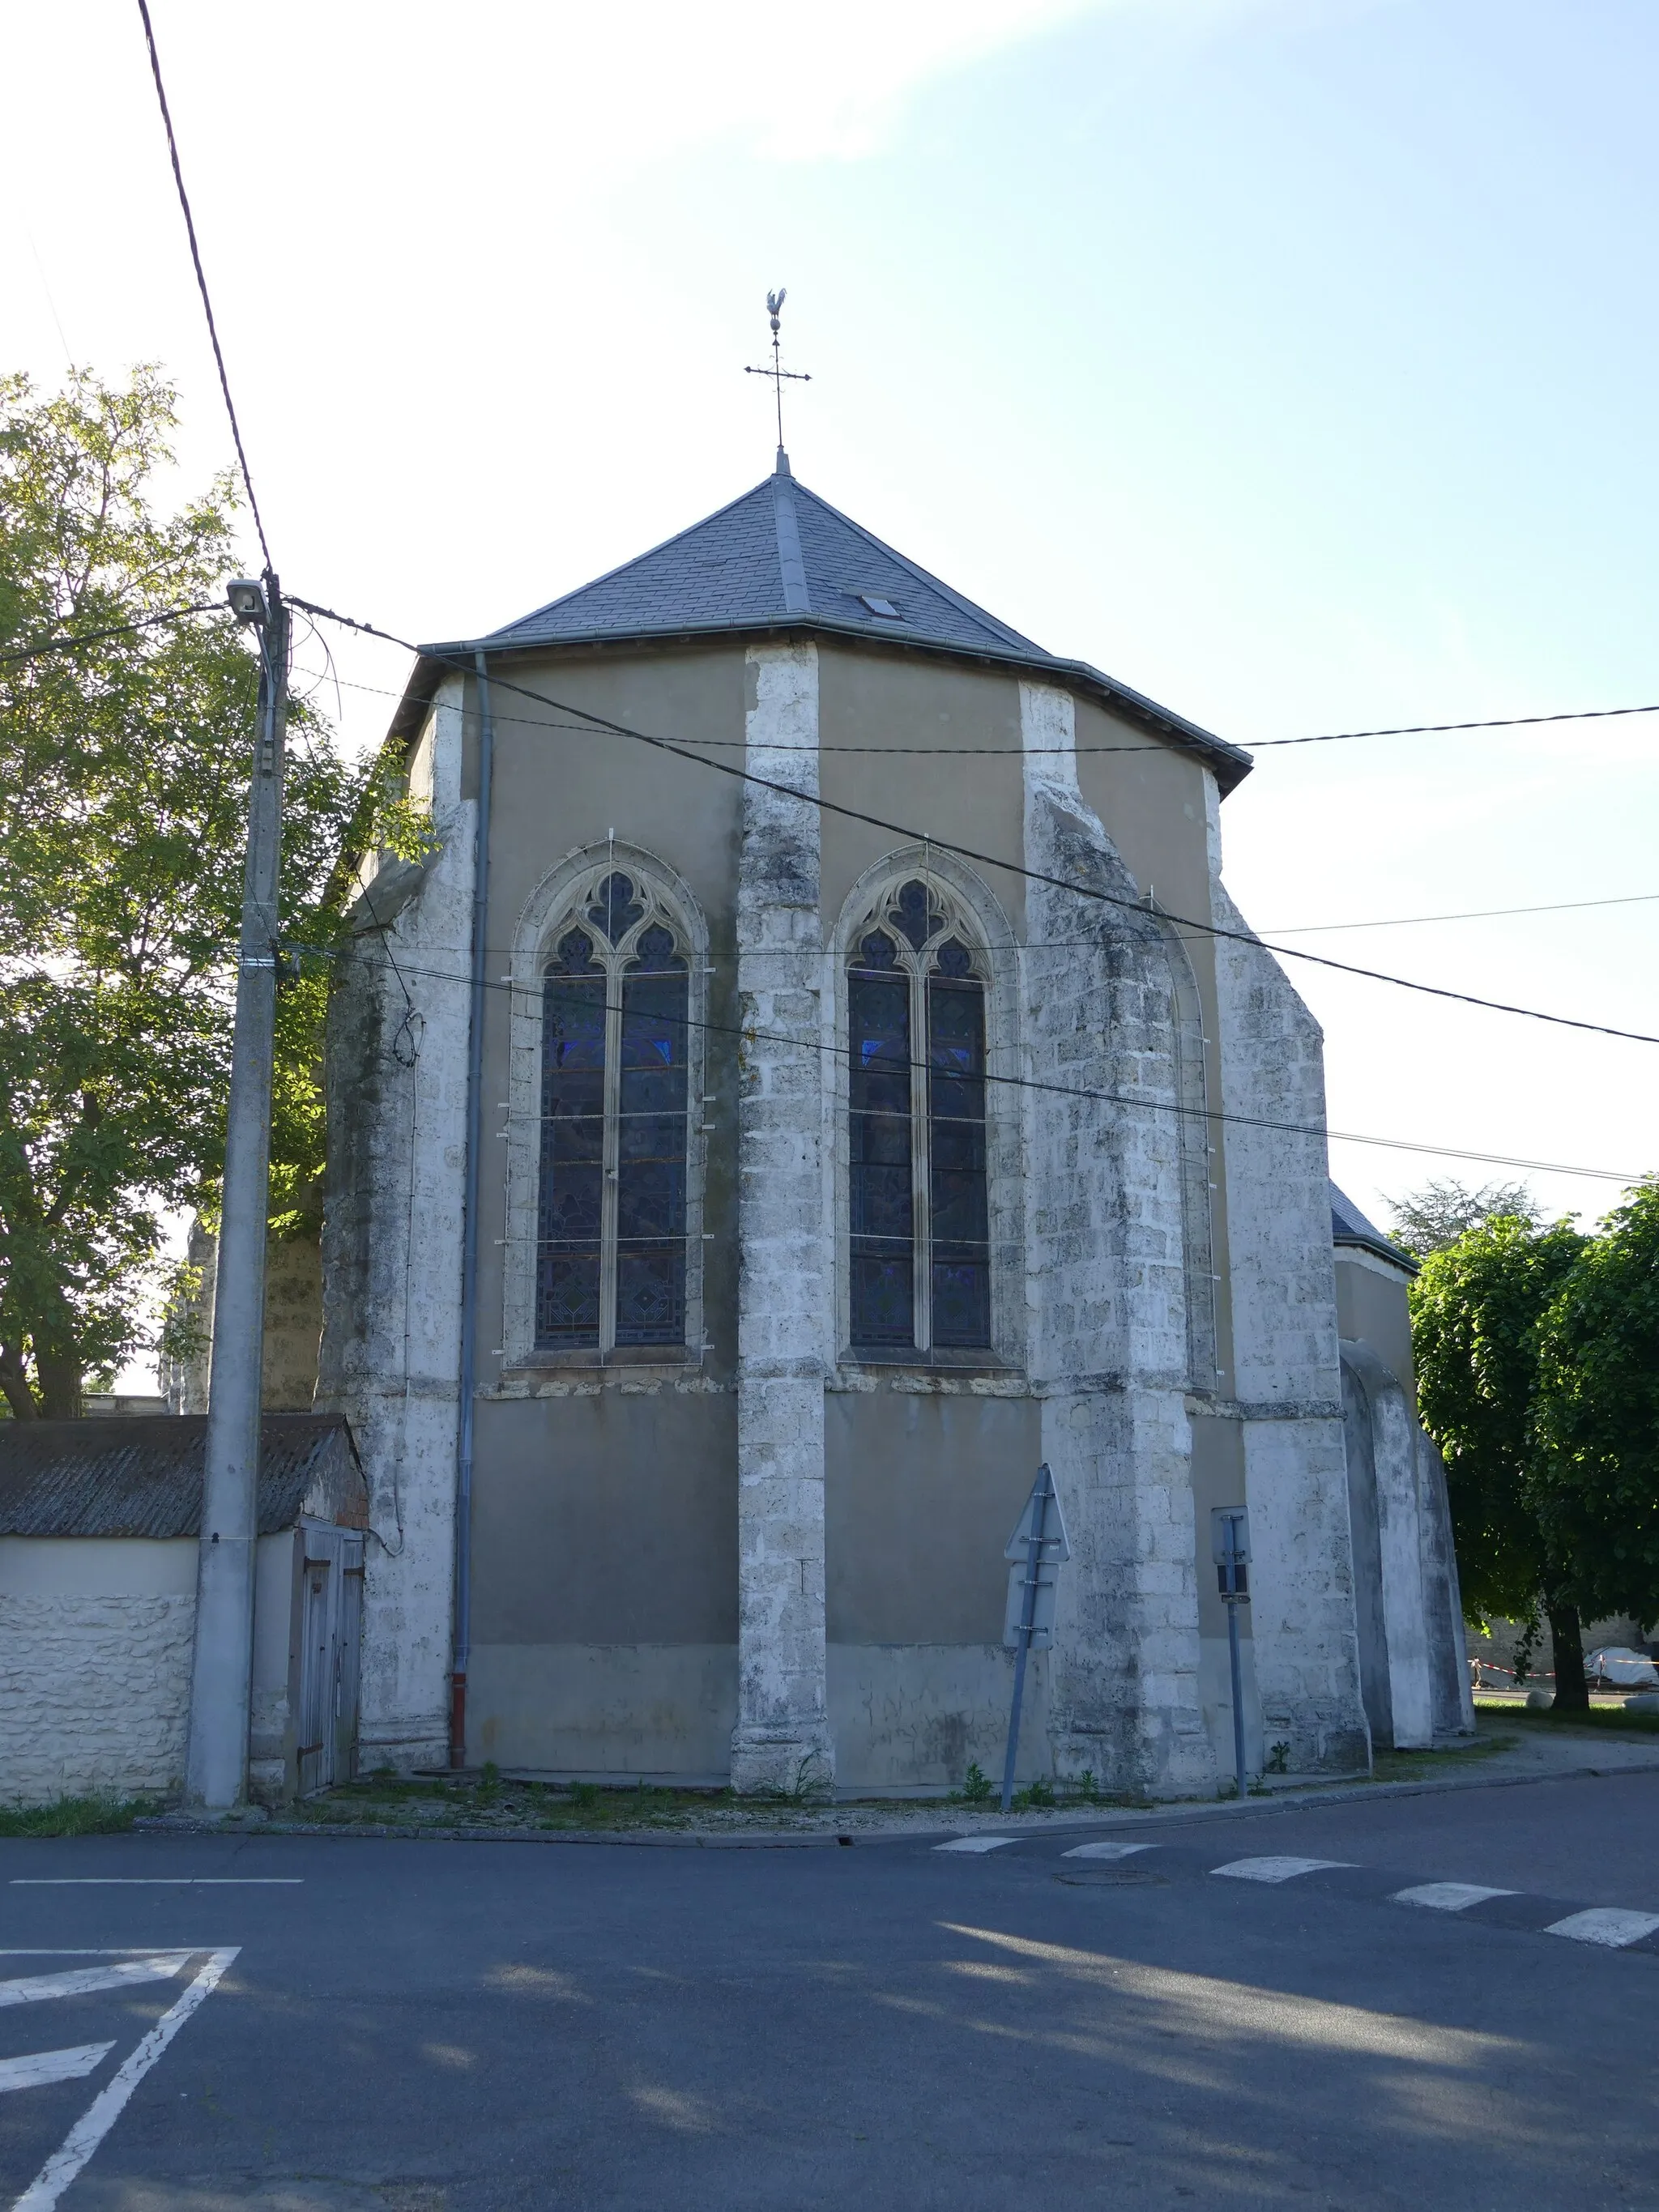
column 247, row 601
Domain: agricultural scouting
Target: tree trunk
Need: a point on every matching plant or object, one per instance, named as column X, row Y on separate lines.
column 1567, row 1635
column 14, row 1384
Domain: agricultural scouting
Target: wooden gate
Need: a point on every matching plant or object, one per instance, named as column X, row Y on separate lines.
column 331, row 1633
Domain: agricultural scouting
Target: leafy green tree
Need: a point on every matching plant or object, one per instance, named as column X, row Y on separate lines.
column 1478, row 1308
column 1428, row 1220
column 123, row 778
column 1598, row 1414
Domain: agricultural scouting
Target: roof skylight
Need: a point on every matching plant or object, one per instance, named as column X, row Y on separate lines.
column 878, row 605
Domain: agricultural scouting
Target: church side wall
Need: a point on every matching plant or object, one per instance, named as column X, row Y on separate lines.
column 604, row 1533
column 391, row 1249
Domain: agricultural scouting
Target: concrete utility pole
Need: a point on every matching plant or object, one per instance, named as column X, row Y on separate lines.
column 215, row 1770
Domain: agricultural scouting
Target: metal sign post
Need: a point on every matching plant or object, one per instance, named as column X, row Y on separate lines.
column 1230, row 1547
column 1037, row 1549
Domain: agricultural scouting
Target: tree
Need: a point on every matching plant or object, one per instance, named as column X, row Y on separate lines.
column 1428, row 1220
column 124, row 782
column 1478, row 1308
column 1598, row 1414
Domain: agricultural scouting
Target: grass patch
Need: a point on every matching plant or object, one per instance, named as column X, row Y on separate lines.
column 74, row 1816
column 1613, row 1717
column 488, row 1802
column 1412, row 1765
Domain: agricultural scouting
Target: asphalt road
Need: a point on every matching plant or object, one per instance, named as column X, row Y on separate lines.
column 435, row 2027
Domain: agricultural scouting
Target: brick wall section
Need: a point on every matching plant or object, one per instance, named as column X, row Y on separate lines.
column 94, row 1696
column 1107, row 1297
column 782, row 1736
column 1286, row 1373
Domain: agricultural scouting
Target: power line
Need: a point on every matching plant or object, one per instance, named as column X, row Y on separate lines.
column 68, row 644
column 1207, row 1114
column 1027, row 752
column 1480, row 914
column 991, row 861
column 201, row 281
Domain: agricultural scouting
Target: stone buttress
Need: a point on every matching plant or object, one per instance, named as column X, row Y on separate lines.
column 1106, row 1294
column 392, row 1247
column 782, row 1737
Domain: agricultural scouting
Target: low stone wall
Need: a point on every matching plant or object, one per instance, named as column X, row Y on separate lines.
column 94, row 1695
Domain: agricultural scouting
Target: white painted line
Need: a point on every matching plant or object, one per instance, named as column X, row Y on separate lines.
column 158, row 1881
column 977, row 1843
column 84, row 1981
column 37, row 2069
column 101, row 2114
column 1608, row 1924
column 1106, row 1850
column 1449, row 1896
column 1278, row 1869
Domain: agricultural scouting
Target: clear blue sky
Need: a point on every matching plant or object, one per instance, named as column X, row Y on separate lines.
column 1293, row 362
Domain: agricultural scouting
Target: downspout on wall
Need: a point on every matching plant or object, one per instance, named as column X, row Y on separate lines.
column 470, row 1231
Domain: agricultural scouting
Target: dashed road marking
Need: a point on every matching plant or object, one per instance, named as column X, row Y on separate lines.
column 1106, row 1850
column 37, row 2069
column 1606, row 1924
column 1274, row 1870
column 978, row 1844
column 1449, row 1896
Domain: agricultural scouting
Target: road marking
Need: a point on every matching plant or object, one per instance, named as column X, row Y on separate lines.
column 83, row 1981
column 977, row 1843
column 1607, row 1924
column 101, row 2114
column 1106, row 1850
column 1449, row 1896
column 37, row 2069
column 1274, row 1870
column 157, row 1881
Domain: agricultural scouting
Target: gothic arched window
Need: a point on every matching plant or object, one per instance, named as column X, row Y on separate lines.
column 918, row 1227
column 612, row 1213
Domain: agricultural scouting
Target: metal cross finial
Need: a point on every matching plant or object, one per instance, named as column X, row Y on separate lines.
column 779, row 375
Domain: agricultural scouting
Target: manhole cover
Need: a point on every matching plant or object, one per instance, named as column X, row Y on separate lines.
column 1113, row 1878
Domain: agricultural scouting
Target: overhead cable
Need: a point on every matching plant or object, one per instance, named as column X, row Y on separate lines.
column 201, row 281
column 1214, row 930
column 69, row 643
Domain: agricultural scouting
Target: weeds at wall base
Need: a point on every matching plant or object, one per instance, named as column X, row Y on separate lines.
column 76, row 1816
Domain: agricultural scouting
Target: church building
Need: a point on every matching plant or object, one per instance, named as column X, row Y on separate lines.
column 816, row 1077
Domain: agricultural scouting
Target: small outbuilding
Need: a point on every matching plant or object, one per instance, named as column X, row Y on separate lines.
column 1408, row 1609
column 100, row 1522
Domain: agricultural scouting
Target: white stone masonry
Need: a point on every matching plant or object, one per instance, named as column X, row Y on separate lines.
column 1107, row 1294
column 782, row 1738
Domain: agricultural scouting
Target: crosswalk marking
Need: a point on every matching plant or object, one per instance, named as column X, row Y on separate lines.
column 37, row 2069
column 1106, row 1850
column 1606, row 1924
column 84, row 1981
column 977, row 1844
column 1449, row 1896
column 1274, row 1870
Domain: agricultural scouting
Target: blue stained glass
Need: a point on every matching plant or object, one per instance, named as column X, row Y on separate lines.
column 912, row 920
column 958, row 1196
column 614, row 907
column 572, row 1184
column 883, row 1213
column 651, row 1149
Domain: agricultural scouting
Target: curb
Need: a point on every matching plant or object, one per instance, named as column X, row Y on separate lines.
column 828, row 1838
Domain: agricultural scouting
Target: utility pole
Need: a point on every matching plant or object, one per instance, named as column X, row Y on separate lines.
column 215, row 1770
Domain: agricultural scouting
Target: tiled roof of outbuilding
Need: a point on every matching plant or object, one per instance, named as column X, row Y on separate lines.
column 1349, row 1226
column 142, row 1475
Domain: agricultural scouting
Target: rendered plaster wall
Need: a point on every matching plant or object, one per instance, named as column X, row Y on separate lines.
column 1106, row 1292
column 391, row 1246
column 1372, row 1306
column 605, row 1710
column 910, row 1717
column 95, row 1643
column 1288, row 1387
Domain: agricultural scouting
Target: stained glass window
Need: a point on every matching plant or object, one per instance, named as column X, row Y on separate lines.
column 919, row 1217
column 611, row 1214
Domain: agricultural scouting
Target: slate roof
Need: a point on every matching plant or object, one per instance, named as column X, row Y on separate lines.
column 142, row 1475
column 782, row 558
column 1349, row 1226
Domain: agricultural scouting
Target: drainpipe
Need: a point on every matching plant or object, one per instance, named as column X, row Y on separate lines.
column 470, row 1231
